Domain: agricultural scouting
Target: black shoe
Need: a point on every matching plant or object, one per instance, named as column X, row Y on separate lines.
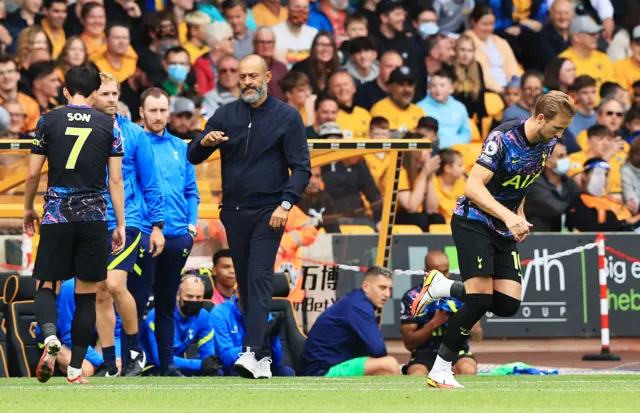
column 135, row 366
column 105, row 371
column 172, row 371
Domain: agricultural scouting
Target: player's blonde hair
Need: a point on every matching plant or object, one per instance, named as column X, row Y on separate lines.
column 553, row 103
column 106, row 78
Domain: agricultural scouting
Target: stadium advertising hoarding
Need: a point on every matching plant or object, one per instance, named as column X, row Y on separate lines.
column 560, row 286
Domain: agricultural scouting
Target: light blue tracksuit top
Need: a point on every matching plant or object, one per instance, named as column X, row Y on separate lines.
column 177, row 178
column 141, row 183
column 453, row 120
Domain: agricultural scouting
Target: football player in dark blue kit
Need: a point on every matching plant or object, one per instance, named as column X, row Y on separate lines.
column 488, row 223
column 80, row 144
column 423, row 335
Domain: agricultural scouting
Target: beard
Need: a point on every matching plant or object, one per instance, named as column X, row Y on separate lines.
column 254, row 97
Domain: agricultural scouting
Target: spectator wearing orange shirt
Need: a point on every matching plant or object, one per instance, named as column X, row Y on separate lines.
column 9, row 78
column 53, row 23
column 269, row 13
column 94, row 21
column 450, row 182
column 117, row 59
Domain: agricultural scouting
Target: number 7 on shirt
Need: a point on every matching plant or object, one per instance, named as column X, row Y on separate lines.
column 82, row 134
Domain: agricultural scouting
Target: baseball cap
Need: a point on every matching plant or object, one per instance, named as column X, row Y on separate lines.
column 182, row 105
column 386, row 6
column 401, row 74
column 635, row 34
column 428, row 122
column 585, row 24
column 329, row 130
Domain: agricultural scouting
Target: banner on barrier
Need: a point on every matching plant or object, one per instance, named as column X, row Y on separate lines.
column 560, row 292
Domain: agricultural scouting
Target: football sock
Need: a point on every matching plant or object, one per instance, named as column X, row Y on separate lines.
column 504, row 305
column 82, row 327
column 460, row 324
column 109, row 355
column 72, row 372
column 46, row 311
column 132, row 342
column 458, row 291
column 441, row 288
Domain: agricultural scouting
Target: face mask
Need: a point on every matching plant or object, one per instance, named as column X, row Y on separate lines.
column 178, row 73
column 562, row 166
column 598, row 182
column 190, row 308
column 428, row 29
column 298, row 17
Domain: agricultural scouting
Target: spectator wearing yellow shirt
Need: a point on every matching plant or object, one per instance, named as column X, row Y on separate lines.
column 583, row 53
column 628, row 70
column 403, row 116
column 353, row 119
column 269, row 13
column 197, row 23
column 55, row 14
column 450, row 182
column 117, row 60
column 94, row 21
column 410, row 198
column 297, row 90
column 9, row 78
column 601, row 143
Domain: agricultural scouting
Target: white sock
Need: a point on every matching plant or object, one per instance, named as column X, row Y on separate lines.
column 72, row 372
column 441, row 288
column 440, row 364
column 48, row 339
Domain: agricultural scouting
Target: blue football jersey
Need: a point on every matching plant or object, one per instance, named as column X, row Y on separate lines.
column 516, row 164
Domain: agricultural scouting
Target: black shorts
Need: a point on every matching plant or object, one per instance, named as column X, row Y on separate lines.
column 76, row 249
column 484, row 252
column 428, row 357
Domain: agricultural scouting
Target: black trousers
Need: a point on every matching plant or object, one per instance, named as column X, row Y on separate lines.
column 253, row 248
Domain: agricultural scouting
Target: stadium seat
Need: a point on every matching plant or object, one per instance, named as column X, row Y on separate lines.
column 470, row 153
column 356, row 229
column 281, row 285
column 406, row 230
column 19, row 288
column 4, row 368
column 475, row 132
column 22, row 348
column 291, row 337
column 4, row 276
column 440, row 229
column 495, row 106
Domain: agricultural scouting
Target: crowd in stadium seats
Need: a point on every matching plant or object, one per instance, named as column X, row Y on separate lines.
column 358, row 69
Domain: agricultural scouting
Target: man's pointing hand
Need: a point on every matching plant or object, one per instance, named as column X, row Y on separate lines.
column 213, row 138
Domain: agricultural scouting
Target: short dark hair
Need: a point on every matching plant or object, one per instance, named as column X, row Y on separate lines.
column 86, row 9
column 6, row 58
column 323, row 98
column 356, row 18
column 223, row 253
column 379, row 270
column 632, row 114
column 292, row 80
column 48, row 3
column 112, row 25
column 531, row 73
column 81, row 80
column 609, row 89
column 175, row 49
column 443, row 72
column 155, row 92
column 447, row 157
column 38, row 70
column 379, row 122
column 581, row 82
column 230, row 4
column 598, row 130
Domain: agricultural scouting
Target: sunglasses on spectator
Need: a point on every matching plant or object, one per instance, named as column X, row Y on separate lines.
column 611, row 113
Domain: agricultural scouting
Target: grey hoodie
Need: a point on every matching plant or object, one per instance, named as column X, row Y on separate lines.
column 351, row 69
column 630, row 176
column 216, row 98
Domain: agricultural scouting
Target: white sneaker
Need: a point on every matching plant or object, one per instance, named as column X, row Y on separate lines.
column 264, row 368
column 427, row 294
column 46, row 365
column 247, row 365
column 443, row 379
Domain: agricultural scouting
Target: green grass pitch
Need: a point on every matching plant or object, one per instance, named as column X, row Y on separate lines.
column 530, row 394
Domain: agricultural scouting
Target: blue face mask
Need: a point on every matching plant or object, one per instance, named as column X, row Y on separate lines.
column 178, row 73
column 562, row 166
column 428, row 29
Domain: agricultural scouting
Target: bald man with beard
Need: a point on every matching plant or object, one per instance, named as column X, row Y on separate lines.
column 260, row 139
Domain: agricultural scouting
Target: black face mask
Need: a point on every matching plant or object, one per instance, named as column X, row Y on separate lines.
column 190, row 308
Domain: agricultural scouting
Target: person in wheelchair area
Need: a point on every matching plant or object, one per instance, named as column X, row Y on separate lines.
column 228, row 323
column 93, row 364
column 192, row 326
